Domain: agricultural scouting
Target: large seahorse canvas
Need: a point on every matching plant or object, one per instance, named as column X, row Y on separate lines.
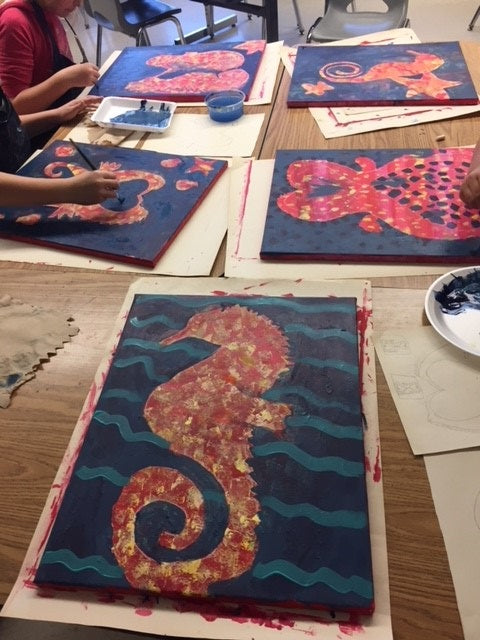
column 224, row 460
column 372, row 206
column 394, row 74
column 187, row 73
column 158, row 193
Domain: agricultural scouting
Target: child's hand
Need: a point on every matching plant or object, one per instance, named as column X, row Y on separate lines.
column 91, row 187
column 470, row 190
column 76, row 107
column 80, row 75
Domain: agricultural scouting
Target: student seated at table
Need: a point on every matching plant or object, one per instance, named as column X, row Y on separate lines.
column 36, row 66
column 470, row 189
column 89, row 187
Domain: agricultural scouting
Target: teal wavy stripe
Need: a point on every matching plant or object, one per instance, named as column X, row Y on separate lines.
column 329, row 364
column 278, row 395
column 340, row 518
column 123, row 363
column 253, row 301
column 146, row 345
column 325, row 426
column 343, row 467
column 321, row 334
column 158, row 319
column 332, row 579
column 110, row 474
column 76, row 564
column 126, row 432
column 124, row 394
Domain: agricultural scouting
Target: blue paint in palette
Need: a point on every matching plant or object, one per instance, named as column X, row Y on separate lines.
column 461, row 294
column 144, row 117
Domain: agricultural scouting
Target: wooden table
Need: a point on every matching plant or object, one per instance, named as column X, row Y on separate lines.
column 37, row 426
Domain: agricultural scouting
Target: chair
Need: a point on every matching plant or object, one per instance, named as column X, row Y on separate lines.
column 339, row 22
column 266, row 9
column 474, row 19
column 131, row 17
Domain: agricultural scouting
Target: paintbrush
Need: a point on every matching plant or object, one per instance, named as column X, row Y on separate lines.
column 89, row 162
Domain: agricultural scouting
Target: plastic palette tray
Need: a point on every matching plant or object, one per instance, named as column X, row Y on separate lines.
column 145, row 115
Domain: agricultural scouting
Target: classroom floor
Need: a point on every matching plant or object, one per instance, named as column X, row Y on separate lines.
column 432, row 20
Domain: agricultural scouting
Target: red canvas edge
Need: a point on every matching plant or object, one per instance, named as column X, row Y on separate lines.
column 362, row 259
column 296, row 104
column 194, row 602
column 82, row 252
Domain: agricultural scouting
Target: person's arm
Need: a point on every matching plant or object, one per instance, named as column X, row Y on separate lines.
column 470, row 189
column 41, row 96
column 88, row 187
column 36, row 123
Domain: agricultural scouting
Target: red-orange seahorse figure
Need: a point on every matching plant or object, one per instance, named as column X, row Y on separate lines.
column 207, row 413
column 417, row 76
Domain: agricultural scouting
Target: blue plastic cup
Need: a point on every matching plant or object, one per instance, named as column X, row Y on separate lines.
column 225, row 106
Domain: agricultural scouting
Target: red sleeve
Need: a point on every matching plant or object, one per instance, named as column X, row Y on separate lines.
column 16, row 52
column 25, row 50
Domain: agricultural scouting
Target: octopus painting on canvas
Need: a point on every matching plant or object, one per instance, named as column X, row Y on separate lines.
column 186, row 73
column 373, row 206
column 159, row 193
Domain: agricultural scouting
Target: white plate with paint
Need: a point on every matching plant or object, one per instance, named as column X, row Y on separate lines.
column 452, row 305
column 134, row 114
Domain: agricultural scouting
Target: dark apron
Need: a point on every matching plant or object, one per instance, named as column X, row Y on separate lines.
column 14, row 142
column 59, row 62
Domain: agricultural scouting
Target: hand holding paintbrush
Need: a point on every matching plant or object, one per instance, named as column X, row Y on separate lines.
column 94, row 168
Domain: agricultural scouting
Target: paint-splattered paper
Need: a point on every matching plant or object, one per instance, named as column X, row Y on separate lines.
column 371, row 205
column 182, row 72
column 388, row 75
column 157, row 195
column 240, row 622
column 29, row 336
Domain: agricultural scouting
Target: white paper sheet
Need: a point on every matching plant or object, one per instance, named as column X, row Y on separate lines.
column 455, row 484
column 197, row 134
column 192, row 253
column 154, row 615
column 250, row 189
column 435, row 388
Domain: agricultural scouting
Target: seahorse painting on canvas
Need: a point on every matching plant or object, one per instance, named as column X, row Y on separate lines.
column 433, row 73
column 226, row 442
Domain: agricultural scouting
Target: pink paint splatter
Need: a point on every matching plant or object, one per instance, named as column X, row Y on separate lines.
column 352, row 626
column 377, row 472
column 246, row 185
column 143, row 612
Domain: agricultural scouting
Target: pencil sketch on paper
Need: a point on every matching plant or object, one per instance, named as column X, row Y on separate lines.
column 227, row 438
column 435, row 389
column 372, row 206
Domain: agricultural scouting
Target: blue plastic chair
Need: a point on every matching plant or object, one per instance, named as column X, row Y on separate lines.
column 131, row 17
